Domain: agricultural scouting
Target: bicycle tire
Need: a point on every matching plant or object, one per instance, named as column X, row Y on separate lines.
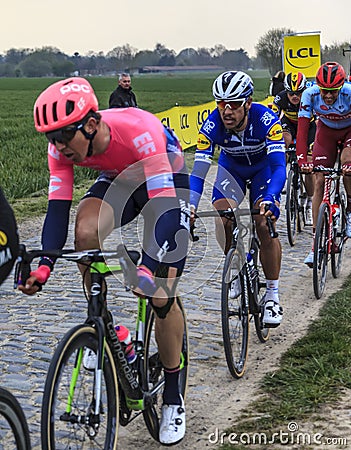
column 320, row 256
column 59, row 431
column 261, row 331
column 153, row 372
column 292, row 209
column 14, row 432
column 338, row 241
column 257, row 297
column 235, row 316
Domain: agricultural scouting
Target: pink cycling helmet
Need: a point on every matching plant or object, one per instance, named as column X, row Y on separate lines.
column 64, row 103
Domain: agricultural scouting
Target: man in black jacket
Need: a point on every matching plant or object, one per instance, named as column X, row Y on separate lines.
column 123, row 96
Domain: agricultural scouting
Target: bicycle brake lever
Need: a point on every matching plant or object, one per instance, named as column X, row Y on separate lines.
column 22, row 268
column 128, row 267
column 273, row 234
column 193, row 237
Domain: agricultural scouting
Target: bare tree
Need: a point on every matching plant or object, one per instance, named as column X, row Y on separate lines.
column 269, row 48
column 340, row 53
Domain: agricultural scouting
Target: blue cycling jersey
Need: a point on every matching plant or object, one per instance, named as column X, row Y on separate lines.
column 255, row 153
column 337, row 115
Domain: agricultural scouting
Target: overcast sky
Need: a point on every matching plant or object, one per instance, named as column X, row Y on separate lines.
column 102, row 25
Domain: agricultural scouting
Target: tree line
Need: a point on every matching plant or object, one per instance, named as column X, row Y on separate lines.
column 50, row 61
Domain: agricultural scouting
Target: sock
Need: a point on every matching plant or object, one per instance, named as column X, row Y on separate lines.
column 313, row 235
column 171, row 390
column 272, row 290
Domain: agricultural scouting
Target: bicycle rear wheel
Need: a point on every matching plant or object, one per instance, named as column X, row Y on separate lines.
column 153, row 372
column 258, row 312
column 320, row 257
column 292, row 206
column 258, row 295
column 235, row 315
column 14, row 433
column 68, row 417
column 338, row 241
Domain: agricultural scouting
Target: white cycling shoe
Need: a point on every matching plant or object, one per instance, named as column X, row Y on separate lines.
column 172, row 426
column 273, row 314
column 89, row 359
column 309, row 259
column 235, row 288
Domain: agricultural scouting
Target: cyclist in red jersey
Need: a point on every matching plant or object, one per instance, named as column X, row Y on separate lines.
column 330, row 100
column 142, row 170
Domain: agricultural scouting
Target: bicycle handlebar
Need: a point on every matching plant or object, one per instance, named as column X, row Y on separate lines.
column 127, row 260
column 230, row 214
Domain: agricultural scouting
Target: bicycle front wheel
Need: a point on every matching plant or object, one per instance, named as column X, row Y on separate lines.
column 14, row 433
column 153, row 372
column 320, row 257
column 338, row 241
column 235, row 314
column 69, row 417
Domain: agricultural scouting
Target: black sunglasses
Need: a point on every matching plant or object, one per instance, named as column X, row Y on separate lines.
column 64, row 135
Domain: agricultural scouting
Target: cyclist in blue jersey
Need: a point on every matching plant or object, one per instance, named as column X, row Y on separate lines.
column 330, row 100
column 252, row 147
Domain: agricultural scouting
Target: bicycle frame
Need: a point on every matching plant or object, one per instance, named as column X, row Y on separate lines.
column 332, row 175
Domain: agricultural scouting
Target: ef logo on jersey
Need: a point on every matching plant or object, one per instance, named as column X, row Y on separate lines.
column 276, row 132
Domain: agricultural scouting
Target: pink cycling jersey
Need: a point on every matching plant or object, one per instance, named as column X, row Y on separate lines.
column 136, row 136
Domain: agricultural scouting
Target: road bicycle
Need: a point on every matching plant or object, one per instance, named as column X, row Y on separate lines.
column 84, row 404
column 330, row 235
column 295, row 198
column 249, row 304
column 14, row 432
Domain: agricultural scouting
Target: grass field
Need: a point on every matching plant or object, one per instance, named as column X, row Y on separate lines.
column 23, row 151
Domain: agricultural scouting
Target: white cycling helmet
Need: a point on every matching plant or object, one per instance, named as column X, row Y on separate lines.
column 232, row 85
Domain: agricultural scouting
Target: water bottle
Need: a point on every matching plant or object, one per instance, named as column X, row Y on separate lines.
column 125, row 339
column 336, row 215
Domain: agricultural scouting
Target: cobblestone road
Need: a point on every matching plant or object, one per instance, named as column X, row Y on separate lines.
column 32, row 326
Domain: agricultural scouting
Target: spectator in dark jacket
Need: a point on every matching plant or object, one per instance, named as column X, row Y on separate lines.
column 123, row 96
column 277, row 83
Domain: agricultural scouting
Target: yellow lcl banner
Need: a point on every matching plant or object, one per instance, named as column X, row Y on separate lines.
column 302, row 53
column 186, row 121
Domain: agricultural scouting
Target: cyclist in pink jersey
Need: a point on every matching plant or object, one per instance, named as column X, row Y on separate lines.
column 330, row 100
column 142, row 170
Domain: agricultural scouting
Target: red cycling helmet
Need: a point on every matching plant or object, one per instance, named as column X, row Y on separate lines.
column 330, row 75
column 64, row 103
